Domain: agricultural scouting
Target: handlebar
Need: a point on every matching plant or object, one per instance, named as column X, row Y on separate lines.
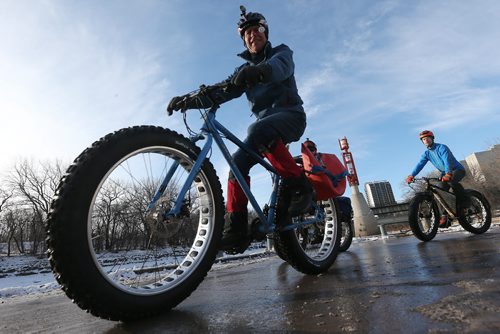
column 427, row 179
column 205, row 91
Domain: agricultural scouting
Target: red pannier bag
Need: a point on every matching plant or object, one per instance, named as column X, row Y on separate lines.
column 327, row 176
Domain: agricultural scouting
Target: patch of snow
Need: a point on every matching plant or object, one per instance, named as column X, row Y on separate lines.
column 22, row 275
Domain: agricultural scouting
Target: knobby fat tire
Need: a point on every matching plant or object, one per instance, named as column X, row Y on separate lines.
column 413, row 216
column 68, row 247
column 477, row 198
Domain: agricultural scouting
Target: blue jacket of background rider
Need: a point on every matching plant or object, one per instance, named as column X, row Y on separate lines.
column 270, row 97
column 441, row 157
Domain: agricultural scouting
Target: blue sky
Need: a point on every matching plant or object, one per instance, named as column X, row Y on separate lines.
column 376, row 72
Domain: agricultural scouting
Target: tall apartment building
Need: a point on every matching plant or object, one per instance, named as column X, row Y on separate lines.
column 379, row 193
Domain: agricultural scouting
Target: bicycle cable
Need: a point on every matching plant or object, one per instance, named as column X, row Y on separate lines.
column 188, row 129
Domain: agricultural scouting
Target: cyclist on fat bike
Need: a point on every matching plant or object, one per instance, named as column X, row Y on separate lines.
column 452, row 172
column 267, row 78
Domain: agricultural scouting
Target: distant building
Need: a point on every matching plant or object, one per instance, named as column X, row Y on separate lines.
column 379, row 193
column 484, row 166
column 483, row 174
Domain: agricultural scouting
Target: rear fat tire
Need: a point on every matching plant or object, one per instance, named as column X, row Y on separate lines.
column 289, row 248
column 423, row 204
column 478, row 218
column 72, row 256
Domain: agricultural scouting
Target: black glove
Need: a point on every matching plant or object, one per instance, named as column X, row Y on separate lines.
column 250, row 76
column 175, row 105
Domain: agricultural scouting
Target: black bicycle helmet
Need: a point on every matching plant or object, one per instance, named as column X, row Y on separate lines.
column 251, row 19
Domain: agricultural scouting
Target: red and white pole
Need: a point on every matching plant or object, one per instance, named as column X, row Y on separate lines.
column 348, row 162
column 365, row 222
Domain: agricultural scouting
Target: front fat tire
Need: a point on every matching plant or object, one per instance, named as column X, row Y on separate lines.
column 478, row 218
column 70, row 226
column 423, row 216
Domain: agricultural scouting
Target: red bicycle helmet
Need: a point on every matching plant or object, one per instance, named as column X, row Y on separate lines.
column 426, row 133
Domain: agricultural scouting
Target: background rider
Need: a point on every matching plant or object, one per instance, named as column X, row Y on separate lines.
column 452, row 171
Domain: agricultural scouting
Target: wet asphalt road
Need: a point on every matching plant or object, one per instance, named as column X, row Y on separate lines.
column 451, row 284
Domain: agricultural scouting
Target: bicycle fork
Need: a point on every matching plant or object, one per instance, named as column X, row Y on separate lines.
column 176, row 209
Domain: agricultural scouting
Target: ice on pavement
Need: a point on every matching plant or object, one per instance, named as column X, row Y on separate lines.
column 29, row 275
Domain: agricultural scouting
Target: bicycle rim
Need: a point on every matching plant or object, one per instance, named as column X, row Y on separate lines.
column 427, row 217
column 149, row 254
column 318, row 240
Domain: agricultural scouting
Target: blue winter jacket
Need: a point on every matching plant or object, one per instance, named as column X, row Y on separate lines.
column 441, row 157
column 273, row 96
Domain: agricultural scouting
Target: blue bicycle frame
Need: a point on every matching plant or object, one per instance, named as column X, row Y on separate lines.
column 210, row 131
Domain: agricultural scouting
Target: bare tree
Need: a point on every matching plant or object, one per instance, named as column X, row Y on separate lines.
column 492, row 142
column 9, row 228
column 409, row 192
column 4, row 197
column 34, row 188
column 5, row 228
column 119, row 217
column 13, row 227
column 106, row 216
